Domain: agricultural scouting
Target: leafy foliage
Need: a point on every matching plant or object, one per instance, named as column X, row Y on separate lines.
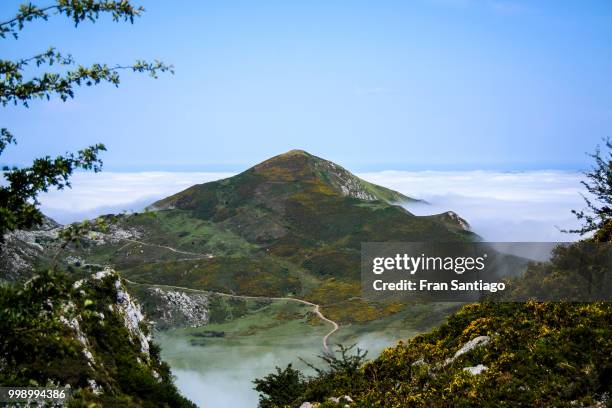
column 289, row 386
column 54, row 332
column 598, row 216
column 27, row 316
column 16, row 89
column 18, row 195
column 280, row 388
column 580, row 272
column 78, row 11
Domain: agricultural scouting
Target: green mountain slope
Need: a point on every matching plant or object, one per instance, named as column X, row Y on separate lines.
column 296, row 202
column 290, row 226
column 278, row 177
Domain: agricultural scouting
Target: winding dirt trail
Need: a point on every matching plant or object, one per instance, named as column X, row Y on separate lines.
column 316, row 308
column 177, row 251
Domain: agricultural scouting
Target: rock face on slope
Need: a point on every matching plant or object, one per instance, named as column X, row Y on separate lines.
column 22, row 250
column 25, row 251
column 452, row 220
column 89, row 335
column 172, row 308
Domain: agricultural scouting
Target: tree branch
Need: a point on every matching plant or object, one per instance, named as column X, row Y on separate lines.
column 14, row 89
column 18, row 199
column 77, row 10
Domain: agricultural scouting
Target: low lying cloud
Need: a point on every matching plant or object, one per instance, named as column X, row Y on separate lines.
column 505, row 207
column 220, row 388
column 104, row 193
column 222, row 376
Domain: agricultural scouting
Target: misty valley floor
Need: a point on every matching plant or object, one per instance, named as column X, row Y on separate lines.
column 218, row 371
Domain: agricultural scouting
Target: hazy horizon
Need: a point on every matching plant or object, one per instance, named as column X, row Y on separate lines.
column 500, row 206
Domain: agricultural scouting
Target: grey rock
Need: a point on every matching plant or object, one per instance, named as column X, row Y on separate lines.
column 478, row 369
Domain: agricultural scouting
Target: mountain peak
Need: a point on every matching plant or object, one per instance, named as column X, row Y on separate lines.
column 291, row 164
column 299, row 166
column 296, row 152
column 280, row 177
column 300, row 207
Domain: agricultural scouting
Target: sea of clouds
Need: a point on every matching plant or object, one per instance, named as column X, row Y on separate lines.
column 500, row 206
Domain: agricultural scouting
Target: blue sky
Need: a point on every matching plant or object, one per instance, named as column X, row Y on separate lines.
column 373, row 85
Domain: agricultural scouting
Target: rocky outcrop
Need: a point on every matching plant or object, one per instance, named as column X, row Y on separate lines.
column 453, row 220
column 21, row 250
column 122, row 304
column 479, row 341
column 466, row 348
column 126, row 306
column 172, row 308
column 344, row 401
column 113, row 235
column 74, row 322
column 453, row 217
column 89, row 335
column 477, row 369
column 471, row 345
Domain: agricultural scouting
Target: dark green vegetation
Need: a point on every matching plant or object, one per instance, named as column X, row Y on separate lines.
column 85, row 335
column 580, row 272
column 277, row 388
column 539, row 354
column 290, row 226
column 280, row 389
column 536, row 354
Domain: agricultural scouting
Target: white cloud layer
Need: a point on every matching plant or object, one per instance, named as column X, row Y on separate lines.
column 502, row 207
column 103, row 193
column 505, row 207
